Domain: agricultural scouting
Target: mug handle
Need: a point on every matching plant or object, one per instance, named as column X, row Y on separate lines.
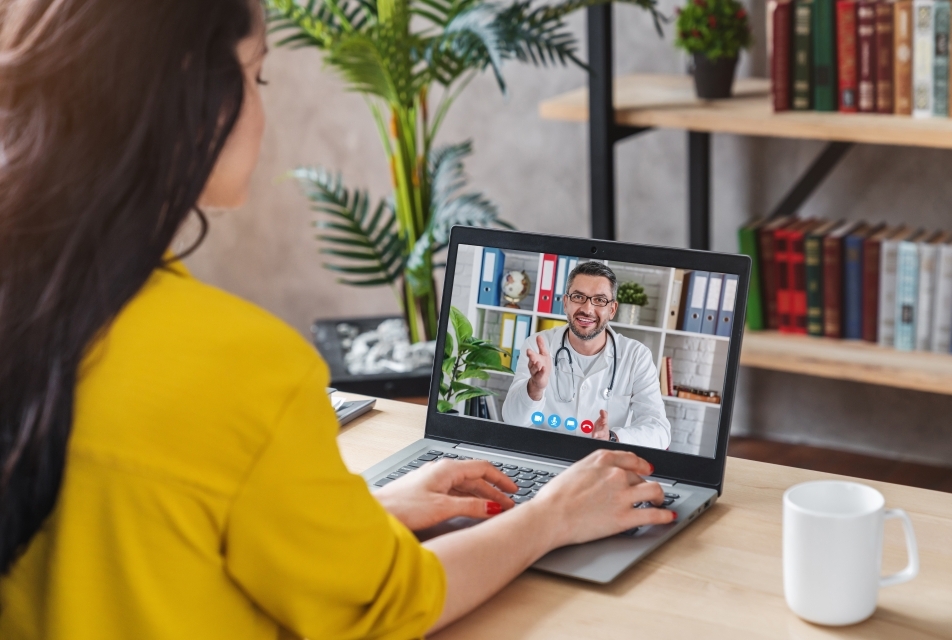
column 912, row 550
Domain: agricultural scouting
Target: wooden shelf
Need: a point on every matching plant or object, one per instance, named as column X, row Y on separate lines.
column 646, row 100
column 848, row 360
column 692, row 403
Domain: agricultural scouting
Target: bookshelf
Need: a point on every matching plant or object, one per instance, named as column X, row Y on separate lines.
column 694, row 423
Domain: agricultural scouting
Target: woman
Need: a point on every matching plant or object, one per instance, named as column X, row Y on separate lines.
column 168, row 464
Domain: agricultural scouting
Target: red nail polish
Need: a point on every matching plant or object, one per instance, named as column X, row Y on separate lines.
column 492, row 508
column 651, row 469
column 674, row 515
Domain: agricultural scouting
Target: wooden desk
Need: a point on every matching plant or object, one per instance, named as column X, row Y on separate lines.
column 720, row 578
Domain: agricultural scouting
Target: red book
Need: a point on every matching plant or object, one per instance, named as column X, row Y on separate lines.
column 797, row 277
column 884, row 57
column 784, row 246
column 833, row 280
column 846, row 54
column 546, row 283
column 866, row 55
column 780, row 50
column 769, row 270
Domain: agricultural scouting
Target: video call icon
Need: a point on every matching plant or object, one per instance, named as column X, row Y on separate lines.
column 588, row 426
column 538, row 417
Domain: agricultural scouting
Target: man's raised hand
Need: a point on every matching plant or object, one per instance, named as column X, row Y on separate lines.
column 601, row 431
column 540, row 365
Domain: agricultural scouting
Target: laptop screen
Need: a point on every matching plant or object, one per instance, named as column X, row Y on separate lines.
column 583, row 348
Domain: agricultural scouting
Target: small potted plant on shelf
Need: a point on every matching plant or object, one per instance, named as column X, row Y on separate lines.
column 466, row 358
column 714, row 32
column 631, row 298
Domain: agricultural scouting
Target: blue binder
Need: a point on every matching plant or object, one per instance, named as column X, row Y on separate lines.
column 494, row 263
column 712, row 303
column 725, row 317
column 561, row 275
column 694, row 298
column 519, row 337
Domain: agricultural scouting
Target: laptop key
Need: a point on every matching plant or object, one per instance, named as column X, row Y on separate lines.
column 673, row 496
column 394, row 475
column 526, row 476
column 414, row 464
column 525, row 484
column 509, row 466
column 520, row 499
column 382, row 482
column 450, row 455
column 406, row 469
column 512, row 473
column 426, row 457
column 543, row 479
column 465, row 458
column 667, row 501
column 525, row 469
column 495, row 464
column 522, row 492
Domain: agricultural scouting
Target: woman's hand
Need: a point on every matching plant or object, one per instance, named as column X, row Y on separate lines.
column 446, row 489
column 593, row 498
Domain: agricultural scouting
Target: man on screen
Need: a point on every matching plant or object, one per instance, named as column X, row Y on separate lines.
column 586, row 379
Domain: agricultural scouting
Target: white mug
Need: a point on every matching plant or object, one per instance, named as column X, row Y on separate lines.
column 833, row 548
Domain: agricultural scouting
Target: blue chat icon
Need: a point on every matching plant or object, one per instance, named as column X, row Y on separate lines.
column 538, row 417
column 571, row 424
column 554, row 421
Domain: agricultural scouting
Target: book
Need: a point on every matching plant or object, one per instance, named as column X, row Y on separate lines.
column 669, row 365
column 846, row 55
column 493, row 265
column 928, row 258
column 940, row 61
column 923, row 42
column 725, row 314
column 866, row 55
column 747, row 239
column 941, row 339
column 789, row 257
column 889, row 254
column 796, row 263
column 712, row 303
column 853, row 281
column 780, row 30
column 802, row 55
column 833, row 280
column 700, row 395
column 663, row 376
column 902, row 57
column 824, row 55
column 871, row 260
column 768, row 267
column 884, row 57
column 677, row 283
column 813, row 261
column 907, row 292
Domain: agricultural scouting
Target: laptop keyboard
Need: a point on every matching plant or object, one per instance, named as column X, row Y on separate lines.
column 528, row 480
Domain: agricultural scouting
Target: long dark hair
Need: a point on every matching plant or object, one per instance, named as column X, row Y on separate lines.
column 112, row 115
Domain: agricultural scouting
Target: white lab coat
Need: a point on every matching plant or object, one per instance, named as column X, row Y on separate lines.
column 635, row 409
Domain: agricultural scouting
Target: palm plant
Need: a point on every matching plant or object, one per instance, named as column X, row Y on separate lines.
column 394, row 52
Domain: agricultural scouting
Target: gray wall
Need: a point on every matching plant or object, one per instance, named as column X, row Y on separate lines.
column 536, row 171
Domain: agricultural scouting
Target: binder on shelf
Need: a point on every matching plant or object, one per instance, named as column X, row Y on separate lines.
column 677, row 284
column 725, row 316
column 546, row 283
column 519, row 337
column 692, row 300
column 544, row 324
column 507, row 332
column 712, row 303
column 561, row 275
column 494, row 263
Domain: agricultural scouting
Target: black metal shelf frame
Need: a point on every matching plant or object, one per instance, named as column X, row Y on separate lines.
column 604, row 133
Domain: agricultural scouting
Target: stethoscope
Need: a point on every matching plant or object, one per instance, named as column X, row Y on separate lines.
column 607, row 393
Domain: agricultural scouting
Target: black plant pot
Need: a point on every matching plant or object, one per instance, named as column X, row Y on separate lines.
column 713, row 79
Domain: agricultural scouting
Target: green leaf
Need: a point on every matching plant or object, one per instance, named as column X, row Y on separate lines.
column 473, row 373
column 459, row 387
column 469, row 395
column 461, row 326
column 443, row 406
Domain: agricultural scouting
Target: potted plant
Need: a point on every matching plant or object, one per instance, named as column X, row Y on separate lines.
column 400, row 55
column 631, row 298
column 465, row 358
column 714, row 32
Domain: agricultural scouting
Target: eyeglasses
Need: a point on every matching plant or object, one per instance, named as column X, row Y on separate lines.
column 581, row 298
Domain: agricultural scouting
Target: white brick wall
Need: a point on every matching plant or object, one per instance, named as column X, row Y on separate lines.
column 697, row 361
column 693, row 427
column 655, row 282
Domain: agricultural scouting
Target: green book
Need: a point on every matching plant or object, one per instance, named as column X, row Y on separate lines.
column 824, row 55
column 803, row 55
column 749, row 247
column 813, row 261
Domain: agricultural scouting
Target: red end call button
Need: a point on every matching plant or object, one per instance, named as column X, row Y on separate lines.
column 587, row 426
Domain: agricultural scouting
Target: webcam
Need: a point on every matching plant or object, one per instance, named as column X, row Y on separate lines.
column 594, row 249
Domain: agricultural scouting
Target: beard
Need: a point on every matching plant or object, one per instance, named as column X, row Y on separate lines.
column 587, row 333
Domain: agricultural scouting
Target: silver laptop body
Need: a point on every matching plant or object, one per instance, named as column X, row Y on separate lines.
column 692, row 482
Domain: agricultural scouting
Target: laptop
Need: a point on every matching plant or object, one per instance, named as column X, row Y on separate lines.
column 511, row 286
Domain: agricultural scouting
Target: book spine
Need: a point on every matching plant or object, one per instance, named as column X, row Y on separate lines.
column 866, row 55
column 922, row 54
column 755, row 309
column 803, row 56
column 768, row 272
column 928, row 253
column 884, row 57
column 780, row 62
column 796, row 258
column 824, row 55
column 887, row 293
column 907, row 294
column 853, row 288
column 942, row 318
column 902, row 57
column 832, row 287
column 871, row 260
column 846, row 54
column 783, row 280
column 940, row 64
column 813, row 251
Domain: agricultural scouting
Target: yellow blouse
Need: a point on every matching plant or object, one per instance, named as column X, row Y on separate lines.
column 204, row 495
